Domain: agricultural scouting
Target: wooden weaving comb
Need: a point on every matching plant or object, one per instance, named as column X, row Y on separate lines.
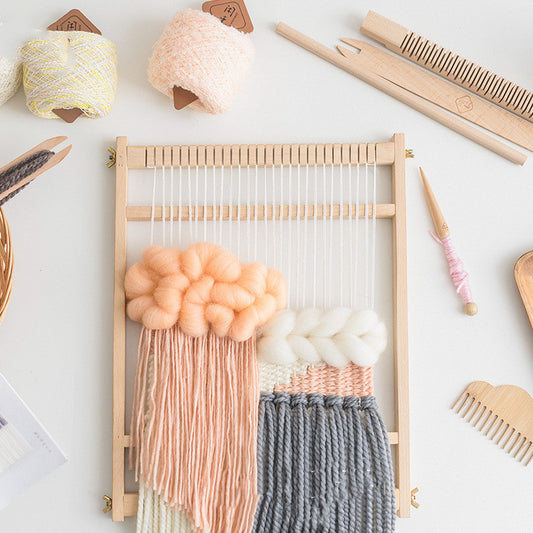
column 429, row 103
column 523, row 275
column 449, row 65
column 504, row 414
column 442, row 93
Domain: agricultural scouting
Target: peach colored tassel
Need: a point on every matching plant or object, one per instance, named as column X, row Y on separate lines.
column 194, row 426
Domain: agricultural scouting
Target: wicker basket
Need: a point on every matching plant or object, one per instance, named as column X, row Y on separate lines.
column 6, row 264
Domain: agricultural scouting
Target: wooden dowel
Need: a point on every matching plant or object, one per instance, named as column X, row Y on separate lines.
column 393, row 439
column 131, row 502
column 410, row 99
column 144, row 213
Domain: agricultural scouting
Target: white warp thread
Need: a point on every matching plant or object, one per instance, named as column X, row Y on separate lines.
column 10, row 78
column 335, row 337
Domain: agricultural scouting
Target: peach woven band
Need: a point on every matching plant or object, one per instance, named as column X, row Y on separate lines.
column 351, row 380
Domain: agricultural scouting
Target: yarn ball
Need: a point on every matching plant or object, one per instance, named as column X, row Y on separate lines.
column 201, row 54
column 10, row 78
column 201, row 288
column 335, row 337
column 69, row 70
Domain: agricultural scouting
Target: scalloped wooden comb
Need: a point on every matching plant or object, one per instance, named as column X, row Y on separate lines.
column 504, row 414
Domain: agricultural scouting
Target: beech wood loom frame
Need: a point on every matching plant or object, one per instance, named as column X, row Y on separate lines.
column 138, row 157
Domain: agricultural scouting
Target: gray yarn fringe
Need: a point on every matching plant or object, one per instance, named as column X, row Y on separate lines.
column 324, row 465
column 18, row 172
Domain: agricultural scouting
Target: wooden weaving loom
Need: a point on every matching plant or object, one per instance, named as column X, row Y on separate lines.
column 296, row 156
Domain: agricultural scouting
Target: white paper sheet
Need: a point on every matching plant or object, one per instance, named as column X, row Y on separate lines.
column 27, row 452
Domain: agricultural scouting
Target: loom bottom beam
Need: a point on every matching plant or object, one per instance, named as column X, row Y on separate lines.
column 144, row 213
column 404, row 96
column 393, row 439
column 131, row 502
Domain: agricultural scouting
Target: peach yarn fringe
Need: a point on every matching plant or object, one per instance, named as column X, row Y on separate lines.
column 204, row 287
column 351, row 380
column 199, row 53
column 194, row 426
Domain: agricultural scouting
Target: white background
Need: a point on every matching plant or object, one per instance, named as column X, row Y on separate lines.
column 56, row 340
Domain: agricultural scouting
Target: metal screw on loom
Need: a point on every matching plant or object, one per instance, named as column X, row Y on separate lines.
column 112, row 157
column 414, row 503
column 108, row 504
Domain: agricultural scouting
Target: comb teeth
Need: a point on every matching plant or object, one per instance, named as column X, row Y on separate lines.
column 503, row 414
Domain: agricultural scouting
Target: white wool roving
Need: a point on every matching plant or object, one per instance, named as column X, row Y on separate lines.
column 10, row 78
column 336, row 337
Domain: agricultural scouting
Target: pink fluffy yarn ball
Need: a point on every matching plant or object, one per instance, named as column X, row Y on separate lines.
column 199, row 53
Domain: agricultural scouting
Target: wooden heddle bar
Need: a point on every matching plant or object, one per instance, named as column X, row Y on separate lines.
column 273, row 212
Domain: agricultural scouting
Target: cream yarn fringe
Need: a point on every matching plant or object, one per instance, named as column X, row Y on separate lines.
column 10, row 78
column 69, row 70
column 155, row 516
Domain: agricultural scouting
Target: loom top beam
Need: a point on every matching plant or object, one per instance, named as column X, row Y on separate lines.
column 261, row 155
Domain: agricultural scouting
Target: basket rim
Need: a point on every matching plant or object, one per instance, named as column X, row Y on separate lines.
column 6, row 264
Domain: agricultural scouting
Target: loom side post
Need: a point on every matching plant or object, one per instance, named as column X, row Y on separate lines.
column 119, row 329
column 401, row 365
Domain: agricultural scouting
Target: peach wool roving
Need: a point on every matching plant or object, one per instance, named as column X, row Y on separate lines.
column 199, row 53
column 195, row 410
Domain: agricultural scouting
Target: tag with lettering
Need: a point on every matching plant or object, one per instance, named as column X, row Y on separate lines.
column 231, row 13
column 74, row 20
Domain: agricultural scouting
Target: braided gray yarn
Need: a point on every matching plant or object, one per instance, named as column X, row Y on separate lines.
column 324, row 465
column 16, row 173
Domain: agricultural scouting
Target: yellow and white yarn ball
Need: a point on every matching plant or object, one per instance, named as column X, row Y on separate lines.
column 69, row 70
column 10, row 77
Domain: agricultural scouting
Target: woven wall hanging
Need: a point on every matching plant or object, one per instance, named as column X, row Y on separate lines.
column 253, row 404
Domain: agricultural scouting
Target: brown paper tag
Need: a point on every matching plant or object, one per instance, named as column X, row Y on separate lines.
column 74, row 20
column 231, row 13
column 182, row 97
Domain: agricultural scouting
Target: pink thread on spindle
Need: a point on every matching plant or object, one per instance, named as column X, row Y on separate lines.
column 457, row 271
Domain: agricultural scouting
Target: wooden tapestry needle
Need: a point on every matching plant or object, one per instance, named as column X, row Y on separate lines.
column 457, row 271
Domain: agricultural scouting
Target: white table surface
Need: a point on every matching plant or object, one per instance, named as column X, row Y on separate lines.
column 55, row 342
